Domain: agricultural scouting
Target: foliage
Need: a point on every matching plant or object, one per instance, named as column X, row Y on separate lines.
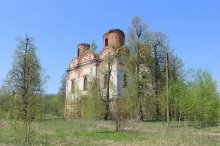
column 50, row 104
column 91, row 105
column 204, row 91
column 136, row 39
column 26, row 80
column 196, row 100
column 62, row 95
column 93, row 47
column 5, row 99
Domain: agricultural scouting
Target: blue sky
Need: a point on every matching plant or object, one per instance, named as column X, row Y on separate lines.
column 193, row 27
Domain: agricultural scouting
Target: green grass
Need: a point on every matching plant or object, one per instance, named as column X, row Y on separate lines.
column 79, row 132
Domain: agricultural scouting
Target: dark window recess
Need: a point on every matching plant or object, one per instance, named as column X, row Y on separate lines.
column 73, row 87
column 125, row 82
column 85, row 83
column 78, row 52
column 106, row 42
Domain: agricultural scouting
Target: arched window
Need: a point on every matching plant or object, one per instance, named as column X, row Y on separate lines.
column 85, row 83
column 105, row 81
column 73, row 87
column 125, row 82
column 106, row 42
column 78, row 53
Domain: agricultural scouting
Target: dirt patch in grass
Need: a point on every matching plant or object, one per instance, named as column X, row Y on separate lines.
column 5, row 124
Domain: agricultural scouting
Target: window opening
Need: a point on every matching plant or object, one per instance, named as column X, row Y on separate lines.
column 106, row 42
column 85, row 83
column 125, row 81
column 73, row 87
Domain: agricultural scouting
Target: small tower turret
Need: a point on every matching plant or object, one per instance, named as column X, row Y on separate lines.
column 113, row 38
column 82, row 47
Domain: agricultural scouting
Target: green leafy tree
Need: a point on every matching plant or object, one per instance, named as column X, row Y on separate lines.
column 136, row 39
column 204, row 89
column 179, row 95
column 195, row 100
column 26, row 79
column 159, row 49
column 93, row 107
column 50, row 104
column 6, row 99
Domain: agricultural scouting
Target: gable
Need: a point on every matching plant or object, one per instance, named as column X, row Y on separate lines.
column 87, row 57
column 73, row 63
column 106, row 51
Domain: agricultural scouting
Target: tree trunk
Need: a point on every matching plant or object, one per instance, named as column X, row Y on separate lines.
column 118, row 125
column 139, row 84
column 179, row 117
column 106, row 117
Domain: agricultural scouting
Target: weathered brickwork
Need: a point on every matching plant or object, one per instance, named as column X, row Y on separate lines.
column 87, row 65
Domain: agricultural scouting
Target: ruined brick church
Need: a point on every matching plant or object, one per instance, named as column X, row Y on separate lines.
column 87, row 65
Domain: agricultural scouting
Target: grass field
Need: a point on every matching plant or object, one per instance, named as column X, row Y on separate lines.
column 84, row 133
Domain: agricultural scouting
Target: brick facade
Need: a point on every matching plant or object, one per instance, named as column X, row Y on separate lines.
column 87, row 65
